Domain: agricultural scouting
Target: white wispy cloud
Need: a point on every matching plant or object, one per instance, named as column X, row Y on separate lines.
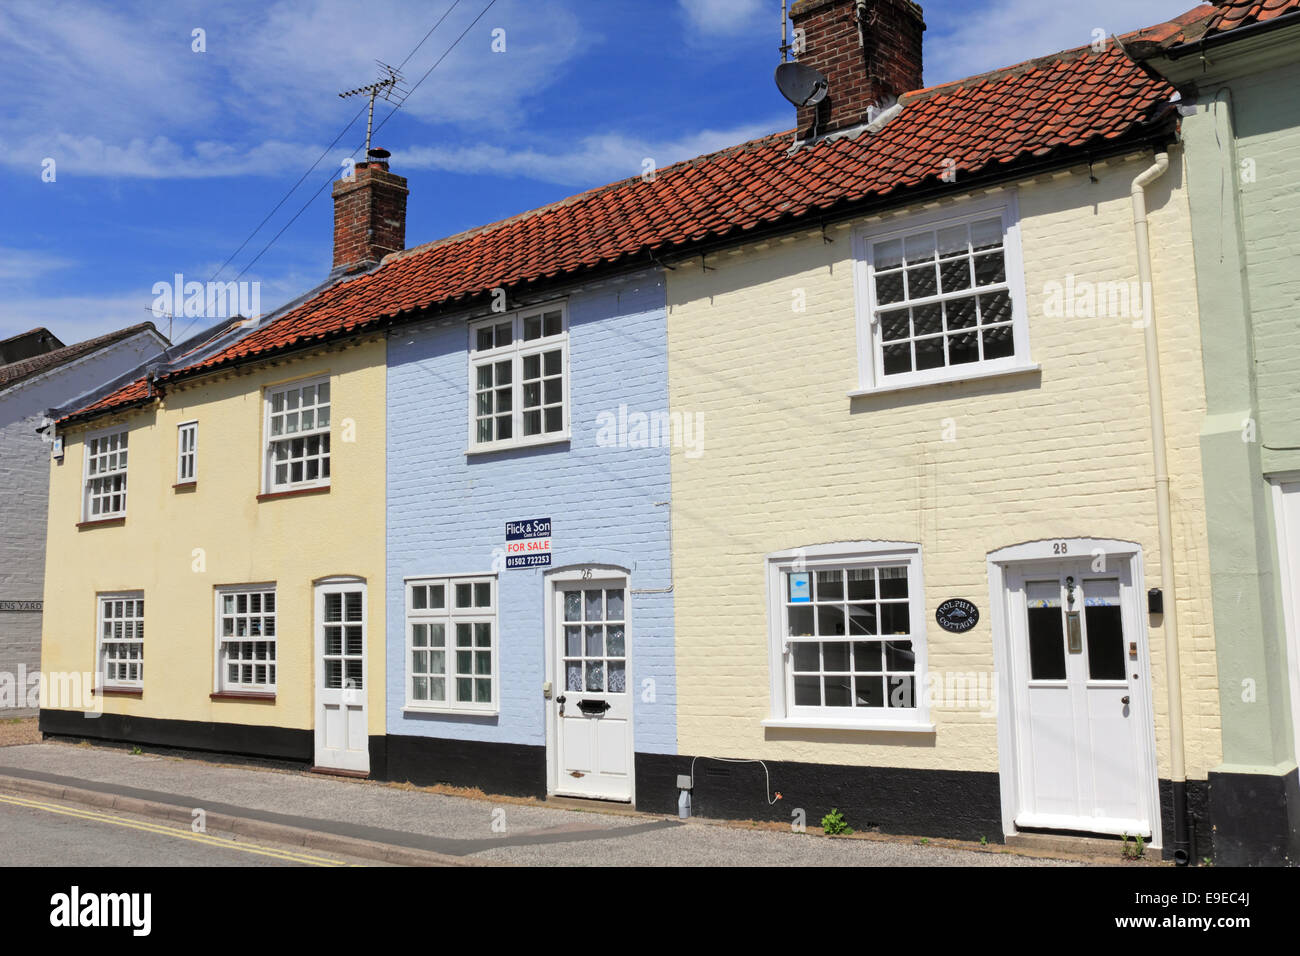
column 118, row 92
column 1006, row 32
column 18, row 265
column 597, row 159
column 725, row 17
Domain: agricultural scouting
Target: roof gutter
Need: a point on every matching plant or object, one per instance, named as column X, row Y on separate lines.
column 1228, row 36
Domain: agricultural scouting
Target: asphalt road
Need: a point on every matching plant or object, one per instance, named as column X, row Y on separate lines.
column 39, row 832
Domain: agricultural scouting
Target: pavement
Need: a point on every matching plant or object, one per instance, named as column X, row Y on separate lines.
column 346, row 819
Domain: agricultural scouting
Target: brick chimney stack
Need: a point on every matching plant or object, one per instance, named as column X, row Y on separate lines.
column 369, row 216
column 868, row 50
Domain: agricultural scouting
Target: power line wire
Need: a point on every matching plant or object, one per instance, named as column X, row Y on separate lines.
column 343, row 132
column 398, row 106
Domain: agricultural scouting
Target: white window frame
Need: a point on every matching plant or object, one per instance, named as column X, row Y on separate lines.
column 871, row 377
column 269, row 442
column 222, row 684
column 853, row 554
column 517, row 350
column 449, row 616
column 186, row 455
column 124, row 433
column 100, row 668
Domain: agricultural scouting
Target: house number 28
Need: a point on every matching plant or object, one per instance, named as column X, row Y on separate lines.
column 1060, row 547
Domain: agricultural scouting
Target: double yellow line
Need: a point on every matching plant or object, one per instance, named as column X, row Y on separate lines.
column 93, row 816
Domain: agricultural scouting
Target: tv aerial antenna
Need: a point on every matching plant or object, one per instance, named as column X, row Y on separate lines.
column 388, row 87
column 799, row 83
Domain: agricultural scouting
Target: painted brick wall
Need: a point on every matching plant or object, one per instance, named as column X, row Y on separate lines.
column 178, row 545
column 792, row 461
column 25, row 478
column 447, row 511
column 24, row 472
column 1267, row 120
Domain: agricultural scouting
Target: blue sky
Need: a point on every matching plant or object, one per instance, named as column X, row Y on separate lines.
column 166, row 158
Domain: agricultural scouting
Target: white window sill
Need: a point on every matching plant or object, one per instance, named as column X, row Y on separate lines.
column 830, row 723
column 971, row 376
column 518, row 445
column 448, row 712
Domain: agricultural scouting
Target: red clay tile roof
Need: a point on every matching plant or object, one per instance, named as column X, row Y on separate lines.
column 1207, row 20
column 1232, row 14
column 1041, row 110
column 17, row 371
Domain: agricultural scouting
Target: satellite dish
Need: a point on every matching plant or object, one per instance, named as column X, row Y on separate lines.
column 801, row 84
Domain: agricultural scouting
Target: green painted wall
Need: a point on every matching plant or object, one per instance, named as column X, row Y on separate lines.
column 1240, row 149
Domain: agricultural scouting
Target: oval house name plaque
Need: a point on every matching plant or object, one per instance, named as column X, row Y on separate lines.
column 957, row 615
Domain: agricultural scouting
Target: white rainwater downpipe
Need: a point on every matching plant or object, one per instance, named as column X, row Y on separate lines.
column 1155, row 399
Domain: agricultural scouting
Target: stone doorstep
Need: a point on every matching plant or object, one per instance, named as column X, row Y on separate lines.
column 241, row 826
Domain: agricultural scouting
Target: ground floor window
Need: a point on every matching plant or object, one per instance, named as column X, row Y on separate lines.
column 246, row 638
column 849, row 634
column 451, row 637
column 121, row 639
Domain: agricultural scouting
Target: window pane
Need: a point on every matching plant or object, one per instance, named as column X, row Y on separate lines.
column 889, row 288
column 919, row 248
column 888, row 255
column 1046, row 633
column 1106, row 651
column 835, row 656
column 998, row 342
column 922, row 282
column 800, row 621
column 806, row 656
column 830, row 620
column 808, row 691
column 866, row 656
column 986, row 233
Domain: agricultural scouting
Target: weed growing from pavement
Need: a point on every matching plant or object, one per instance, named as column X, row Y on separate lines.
column 834, row 823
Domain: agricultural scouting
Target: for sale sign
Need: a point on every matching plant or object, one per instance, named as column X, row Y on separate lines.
column 528, row 543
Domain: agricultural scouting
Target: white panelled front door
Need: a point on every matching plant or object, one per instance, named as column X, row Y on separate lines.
column 1080, row 707
column 590, row 645
column 342, row 736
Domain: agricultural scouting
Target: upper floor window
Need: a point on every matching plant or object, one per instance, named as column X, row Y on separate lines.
column 298, row 435
column 848, row 640
column 105, row 477
column 518, row 371
column 187, row 448
column 944, row 299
